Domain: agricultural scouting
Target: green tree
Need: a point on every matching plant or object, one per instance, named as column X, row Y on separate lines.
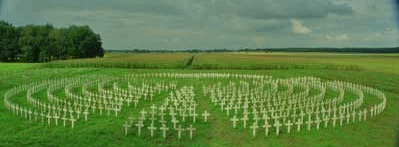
column 9, row 48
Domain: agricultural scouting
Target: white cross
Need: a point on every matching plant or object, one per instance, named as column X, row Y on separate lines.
column 48, row 118
column 205, row 114
column 94, row 108
column 191, row 129
column 126, row 125
column 277, row 125
column 341, row 118
column 299, row 123
column 164, row 129
column 72, row 120
column 334, row 119
column 244, row 120
column 116, row 109
column 153, row 107
column 228, row 110
column 266, row 126
column 56, row 117
column 254, row 127
column 236, row 107
column 309, row 122
column 194, row 115
column 234, row 119
column 360, row 115
column 86, row 113
column 179, row 129
column 326, row 119
column 152, row 128
column 317, row 121
column 64, row 119
column 348, row 117
column 289, row 124
column 174, row 121
column 172, row 113
column 30, row 115
column 354, row 116
column 143, row 112
column 139, row 125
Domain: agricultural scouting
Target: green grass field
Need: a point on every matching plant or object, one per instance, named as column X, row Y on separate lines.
column 378, row 71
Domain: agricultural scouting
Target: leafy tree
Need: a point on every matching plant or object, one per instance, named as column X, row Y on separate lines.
column 9, row 48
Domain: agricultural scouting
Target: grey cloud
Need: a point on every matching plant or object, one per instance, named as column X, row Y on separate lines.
column 1, row 5
column 283, row 26
column 136, row 6
column 341, row 9
column 283, row 9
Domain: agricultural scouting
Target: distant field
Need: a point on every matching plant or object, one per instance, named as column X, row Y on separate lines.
column 388, row 63
column 120, row 60
column 375, row 62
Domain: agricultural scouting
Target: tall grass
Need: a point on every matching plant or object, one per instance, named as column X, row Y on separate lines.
column 131, row 61
column 265, row 61
column 281, row 61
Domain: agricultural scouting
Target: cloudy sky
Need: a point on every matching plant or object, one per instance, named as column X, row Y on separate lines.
column 205, row 24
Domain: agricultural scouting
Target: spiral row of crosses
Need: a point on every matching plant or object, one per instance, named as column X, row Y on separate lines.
column 166, row 105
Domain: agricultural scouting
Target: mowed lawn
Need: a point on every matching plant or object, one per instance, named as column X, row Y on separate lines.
column 379, row 131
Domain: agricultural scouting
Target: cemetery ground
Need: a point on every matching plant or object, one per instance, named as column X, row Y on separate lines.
column 380, row 73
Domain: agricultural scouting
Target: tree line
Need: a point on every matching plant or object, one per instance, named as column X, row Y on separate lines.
column 44, row 43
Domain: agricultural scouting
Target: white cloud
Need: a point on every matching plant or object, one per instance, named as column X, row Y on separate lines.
column 342, row 37
column 299, row 28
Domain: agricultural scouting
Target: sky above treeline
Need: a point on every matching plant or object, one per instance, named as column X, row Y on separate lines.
column 209, row 24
